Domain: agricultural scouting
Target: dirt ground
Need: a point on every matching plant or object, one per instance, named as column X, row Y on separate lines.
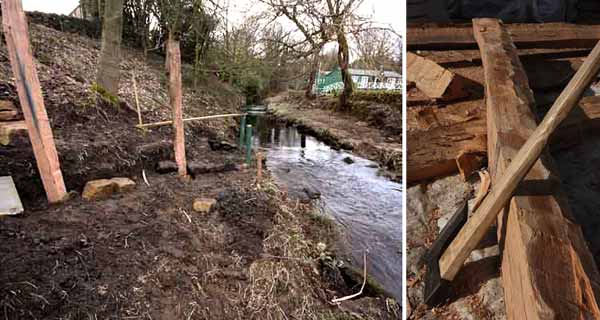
column 146, row 254
column 371, row 130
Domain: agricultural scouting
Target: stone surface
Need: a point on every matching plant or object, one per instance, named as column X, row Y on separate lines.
column 163, row 167
column 204, row 205
column 218, row 145
column 9, row 130
column 123, row 184
column 99, row 189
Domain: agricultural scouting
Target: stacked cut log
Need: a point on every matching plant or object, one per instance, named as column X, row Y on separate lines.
column 437, row 151
column 433, row 80
column 11, row 123
column 538, row 220
column 458, row 145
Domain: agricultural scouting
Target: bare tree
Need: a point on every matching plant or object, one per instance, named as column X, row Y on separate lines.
column 110, row 55
column 342, row 15
column 308, row 16
column 376, row 49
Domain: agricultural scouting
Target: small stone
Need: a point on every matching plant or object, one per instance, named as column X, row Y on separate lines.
column 163, row 167
column 348, row 160
column 99, row 189
column 9, row 130
column 123, row 184
column 321, row 247
column 204, row 205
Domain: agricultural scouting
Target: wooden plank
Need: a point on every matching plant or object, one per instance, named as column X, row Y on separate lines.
column 10, row 202
column 542, row 226
column 432, row 79
column 176, row 97
column 534, row 35
column 32, row 103
column 529, row 277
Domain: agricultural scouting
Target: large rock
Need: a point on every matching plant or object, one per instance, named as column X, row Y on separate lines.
column 218, row 145
column 166, row 167
column 199, row 167
column 104, row 188
column 99, row 189
column 204, row 205
column 123, row 184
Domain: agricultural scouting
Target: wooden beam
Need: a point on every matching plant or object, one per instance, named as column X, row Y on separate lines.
column 535, row 35
column 432, row 79
column 16, row 34
column 176, row 97
column 547, row 271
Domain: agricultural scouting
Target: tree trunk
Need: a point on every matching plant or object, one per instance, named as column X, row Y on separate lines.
column 110, row 55
column 314, row 69
column 344, row 62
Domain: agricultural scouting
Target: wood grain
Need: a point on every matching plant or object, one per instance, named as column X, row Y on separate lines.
column 530, row 147
column 28, row 86
column 176, row 98
column 538, row 35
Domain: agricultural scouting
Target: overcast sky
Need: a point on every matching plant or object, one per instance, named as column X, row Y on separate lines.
column 383, row 11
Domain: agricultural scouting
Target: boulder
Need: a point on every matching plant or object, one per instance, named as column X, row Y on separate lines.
column 166, row 167
column 218, row 145
column 99, row 189
column 123, row 184
column 204, row 205
column 348, row 160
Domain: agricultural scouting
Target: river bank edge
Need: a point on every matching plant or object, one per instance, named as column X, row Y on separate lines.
column 361, row 138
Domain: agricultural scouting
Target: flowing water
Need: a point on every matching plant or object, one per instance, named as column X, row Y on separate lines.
column 369, row 206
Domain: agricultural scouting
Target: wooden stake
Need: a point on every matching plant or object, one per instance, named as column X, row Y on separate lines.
column 259, row 163
column 476, row 227
column 32, row 102
column 137, row 100
column 176, row 97
column 170, row 122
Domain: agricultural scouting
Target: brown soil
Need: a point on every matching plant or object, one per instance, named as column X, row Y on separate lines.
column 371, row 130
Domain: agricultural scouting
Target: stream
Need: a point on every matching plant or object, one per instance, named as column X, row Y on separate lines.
column 368, row 206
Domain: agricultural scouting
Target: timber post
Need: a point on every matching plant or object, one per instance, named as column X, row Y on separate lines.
column 242, row 131
column 176, row 98
column 32, row 103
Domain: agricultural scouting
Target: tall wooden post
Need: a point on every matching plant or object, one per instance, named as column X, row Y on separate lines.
column 32, row 102
column 176, row 97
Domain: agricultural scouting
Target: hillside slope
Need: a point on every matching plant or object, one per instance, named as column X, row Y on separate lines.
column 95, row 139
